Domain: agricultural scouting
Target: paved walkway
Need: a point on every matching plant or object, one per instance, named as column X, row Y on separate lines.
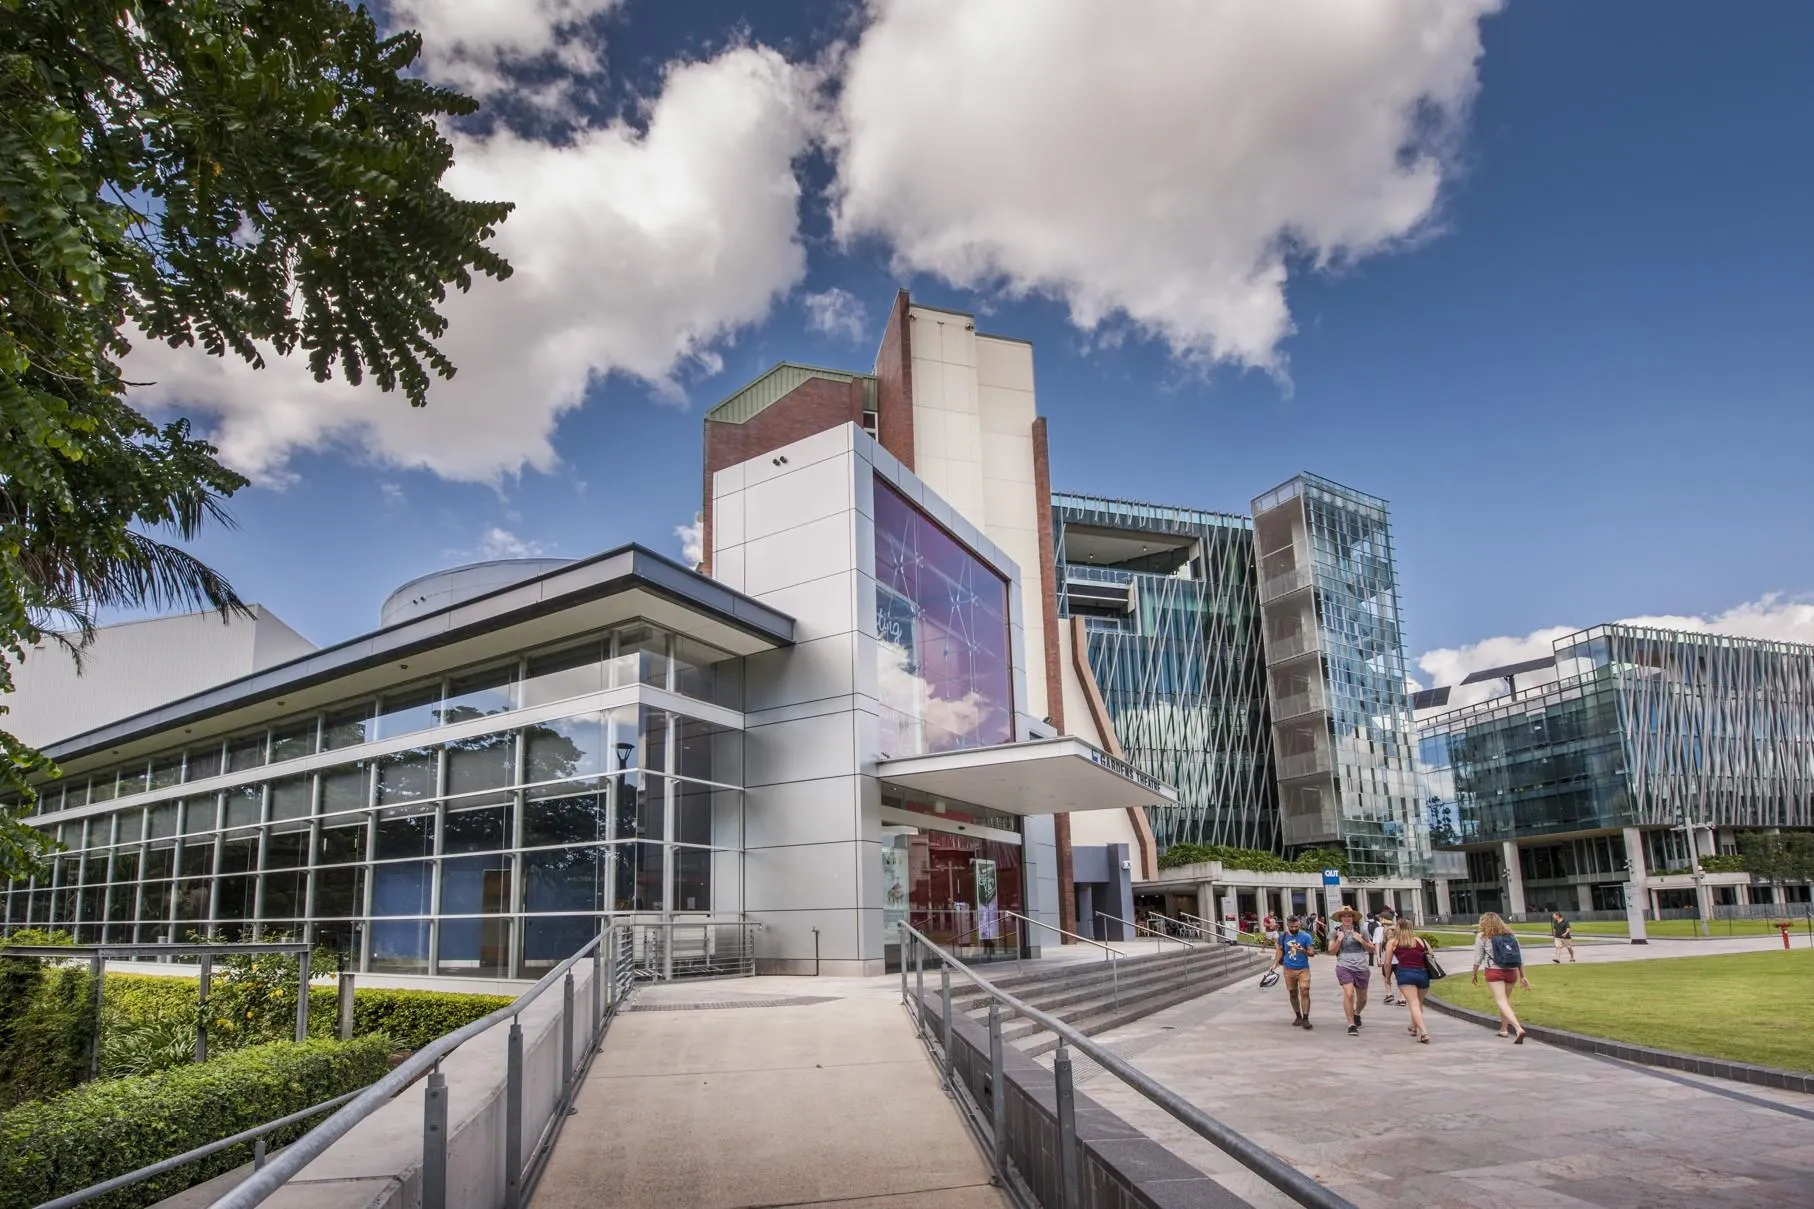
column 1468, row 1120
column 781, row 1091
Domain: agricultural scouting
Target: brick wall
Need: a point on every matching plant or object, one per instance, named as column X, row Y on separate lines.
column 894, row 384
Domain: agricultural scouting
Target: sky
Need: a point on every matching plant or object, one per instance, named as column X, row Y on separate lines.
column 1536, row 273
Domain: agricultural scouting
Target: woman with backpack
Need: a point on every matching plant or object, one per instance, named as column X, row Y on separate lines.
column 1497, row 949
column 1405, row 948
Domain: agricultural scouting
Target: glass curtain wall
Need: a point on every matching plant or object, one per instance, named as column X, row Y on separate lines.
column 1171, row 612
column 490, row 854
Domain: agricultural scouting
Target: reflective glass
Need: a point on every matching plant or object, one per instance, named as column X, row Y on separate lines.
column 245, row 805
column 407, row 776
column 203, row 762
column 408, row 712
column 405, row 832
column 480, row 695
column 348, row 727
column 565, row 674
column 246, row 752
column 400, row 946
column 487, row 762
column 292, row 740
column 564, row 748
column 475, row 885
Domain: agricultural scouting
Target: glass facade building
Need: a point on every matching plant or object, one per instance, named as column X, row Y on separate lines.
column 1643, row 728
column 478, row 823
column 1171, row 612
column 1343, row 742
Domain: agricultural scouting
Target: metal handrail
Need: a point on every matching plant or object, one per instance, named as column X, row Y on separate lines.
column 256, row 1133
column 1143, row 928
column 1040, row 923
column 1262, row 1162
column 427, row 1060
column 1168, row 919
column 1229, row 933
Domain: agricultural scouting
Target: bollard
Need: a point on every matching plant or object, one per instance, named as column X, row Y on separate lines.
column 1067, row 1127
column 944, row 990
column 434, row 1141
column 903, row 972
column 513, row 1117
column 567, row 1039
column 919, row 988
column 598, row 990
column 998, row 1093
column 258, row 1154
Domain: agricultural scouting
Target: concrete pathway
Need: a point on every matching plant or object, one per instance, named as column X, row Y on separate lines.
column 765, row 1092
column 1468, row 1120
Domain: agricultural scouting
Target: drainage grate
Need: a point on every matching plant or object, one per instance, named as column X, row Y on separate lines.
column 717, row 1004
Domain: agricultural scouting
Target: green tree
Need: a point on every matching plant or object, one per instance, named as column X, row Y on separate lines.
column 1780, row 856
column 255, row 177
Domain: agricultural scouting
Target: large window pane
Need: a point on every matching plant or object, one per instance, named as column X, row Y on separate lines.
column 344, row 789
column 403, row 889
column 484, row 763
column 292, row 740
column 343, row 841
column 944, row 678
column 132, row 826
column 692, row 879
column 245, row 752
column 566, row 879
column 486, row 829
column 642, row 657
column 348, row 727
column 200, row 815
column 284, row 894
column 475, row 885
column 239, row 852
column 286, row 849
column 641, row 806
column 340, row 892
column 406, row 832
column 480, row 695
column 204, row 762
column 564, row 748
column 572, row 819
column 163, row 820
column 400, row 946
column 707, row 673
column 292, row 798
column 408, row 712
column 563, row 675
column 407, row 776
column 166, row 772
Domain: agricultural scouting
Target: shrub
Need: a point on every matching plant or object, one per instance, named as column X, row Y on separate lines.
column 113, row 1126
column 46, row 1020
column 1253, row 859
column 410, row 1018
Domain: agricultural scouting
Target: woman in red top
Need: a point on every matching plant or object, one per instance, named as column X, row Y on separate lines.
column 1408, row 949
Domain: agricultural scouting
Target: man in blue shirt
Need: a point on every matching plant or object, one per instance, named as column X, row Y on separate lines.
column 1293, row 949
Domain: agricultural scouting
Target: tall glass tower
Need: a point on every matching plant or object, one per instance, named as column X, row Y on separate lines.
column 1343, row 741
column 1171, row 610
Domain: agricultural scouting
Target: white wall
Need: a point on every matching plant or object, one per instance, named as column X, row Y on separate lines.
column 799, row 535
column 139, row 665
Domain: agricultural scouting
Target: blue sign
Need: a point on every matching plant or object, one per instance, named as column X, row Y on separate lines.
column 1332, row 877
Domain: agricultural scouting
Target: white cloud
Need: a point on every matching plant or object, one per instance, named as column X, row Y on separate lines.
column 1773, row 616
column 1152, row 164
column 472, row 44
column 393, row 494
column 836, row 312
column 496, row 542
column 636, row 251
column 692, row 540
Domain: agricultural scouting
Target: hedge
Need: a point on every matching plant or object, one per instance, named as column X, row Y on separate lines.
column 410, row 1018
column 1253, row 859
column 108, row 1128
column 46, row 1018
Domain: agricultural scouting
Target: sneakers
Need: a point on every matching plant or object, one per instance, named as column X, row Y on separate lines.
column 1354, row 1030
column 1555, row 961
column 1357, row 1021
column 1307, row 1024
column 1297, row 1022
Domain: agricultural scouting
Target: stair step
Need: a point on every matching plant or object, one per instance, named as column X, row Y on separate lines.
column 1129, row 981
column 1039, row 1041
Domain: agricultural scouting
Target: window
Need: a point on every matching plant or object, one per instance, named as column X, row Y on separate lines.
column 407, row 712
column 480, row 695
column 565, row 674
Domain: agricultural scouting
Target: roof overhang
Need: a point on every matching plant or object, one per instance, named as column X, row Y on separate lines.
column 619, row 585
column 1042, row 776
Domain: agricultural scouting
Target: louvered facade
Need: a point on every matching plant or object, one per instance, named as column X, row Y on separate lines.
column 1171, row 611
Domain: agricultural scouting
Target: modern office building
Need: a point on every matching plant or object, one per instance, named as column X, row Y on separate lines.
column 1624, row 747
column 1169, row 609
column 1343, row 742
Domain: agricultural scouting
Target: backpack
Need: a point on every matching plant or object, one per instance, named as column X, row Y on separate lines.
column 1506, row 953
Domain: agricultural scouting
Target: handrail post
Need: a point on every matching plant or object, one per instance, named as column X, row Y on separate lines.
column 1067, row 1127
column 919, row 987
column 302, row 995
column 944, row 990
column 434, row 1141
column 513, row 1117
column 258, row 1154
column 598, row 990
column 998, row 1092
column 904, row 943
column 567, row 1039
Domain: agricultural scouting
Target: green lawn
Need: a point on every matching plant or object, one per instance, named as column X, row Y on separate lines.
column 1747, row 1007
column 1689, row 927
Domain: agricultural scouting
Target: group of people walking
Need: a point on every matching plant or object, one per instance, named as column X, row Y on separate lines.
column 1406, row 963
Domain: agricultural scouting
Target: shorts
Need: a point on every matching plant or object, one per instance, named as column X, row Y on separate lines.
column 1414, row 978
column 1348, row 976
column 1497, row 975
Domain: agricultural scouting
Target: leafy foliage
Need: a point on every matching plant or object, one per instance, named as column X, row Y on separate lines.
column 1253, row 859
column 46, row 1022
column 1721, row 862
column 248, row 176
column 113, row 1126
column 1780, row 856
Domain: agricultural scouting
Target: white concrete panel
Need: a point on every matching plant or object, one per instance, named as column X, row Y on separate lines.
column 821, row 445
column 865, row 659
column 787, row 937
column 1103, row 827
column 1005, row 410
column 727, row 520
column 863, row 495
column 798, row 555
column 805, row 877
column 802, row 750
column 960, row 388
column 928, row 433
column 815, row 490
column 962, row 490
column 1006, row 363
column 727, row 567
column 957, row 336
column 963, row 437
column 821, row 606
column 1008, row 457
column 1010, row 507
column 806, row 671
column 727, row 480
column 824, row 811
column 928, row 388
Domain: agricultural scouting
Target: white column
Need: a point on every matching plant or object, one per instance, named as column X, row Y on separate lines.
column 1744, row 894
column 1514, row 876
column 1442, row 898
column 1585, row 897
column 1417, row 908
column 1634, row 856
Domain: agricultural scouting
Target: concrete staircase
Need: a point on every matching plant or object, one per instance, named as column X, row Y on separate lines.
column 1092, row 998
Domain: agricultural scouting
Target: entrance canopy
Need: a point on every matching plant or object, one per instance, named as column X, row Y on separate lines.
column 1041, row 776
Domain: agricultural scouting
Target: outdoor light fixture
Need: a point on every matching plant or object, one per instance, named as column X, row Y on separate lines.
column 623, row 755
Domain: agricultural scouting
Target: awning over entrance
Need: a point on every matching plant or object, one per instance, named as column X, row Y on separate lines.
column 1041, row 776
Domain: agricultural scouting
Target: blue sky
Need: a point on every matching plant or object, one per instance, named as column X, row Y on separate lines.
column 1582, row 376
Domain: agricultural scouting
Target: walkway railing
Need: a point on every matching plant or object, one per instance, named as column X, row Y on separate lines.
column 1222, row 930
column 612, row 978
column 1262, row 1162
column 694, row 948
column 1153, row 932
column 1109, row 955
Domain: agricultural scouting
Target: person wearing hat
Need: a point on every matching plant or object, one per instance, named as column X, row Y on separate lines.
column 1292, row 950
column 1354, row 956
